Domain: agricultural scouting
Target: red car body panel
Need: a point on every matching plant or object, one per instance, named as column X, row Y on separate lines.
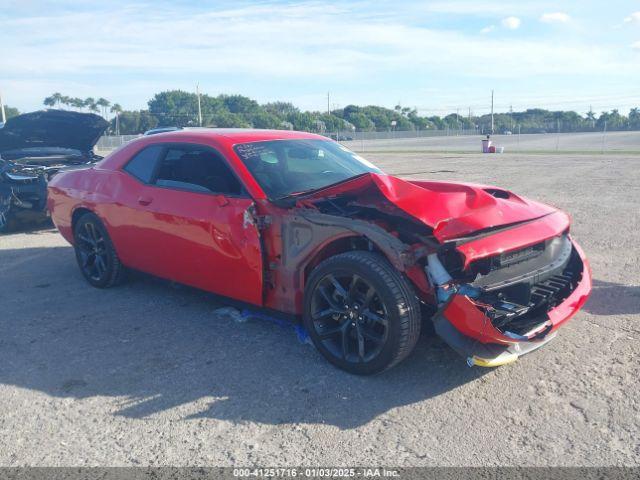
column 518, row 236
column 467, row 316
column 249, row 249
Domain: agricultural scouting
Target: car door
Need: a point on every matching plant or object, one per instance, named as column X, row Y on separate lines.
column 193, row 224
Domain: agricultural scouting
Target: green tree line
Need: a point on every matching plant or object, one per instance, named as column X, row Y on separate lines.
column 10, row 112
column 180, row 108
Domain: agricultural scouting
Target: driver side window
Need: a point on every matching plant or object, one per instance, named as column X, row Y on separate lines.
column 198, row 170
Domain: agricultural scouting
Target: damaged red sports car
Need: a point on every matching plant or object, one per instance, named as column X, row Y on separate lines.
column 297, row 224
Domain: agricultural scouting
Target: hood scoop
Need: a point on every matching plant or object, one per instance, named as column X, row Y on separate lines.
column 497, row 193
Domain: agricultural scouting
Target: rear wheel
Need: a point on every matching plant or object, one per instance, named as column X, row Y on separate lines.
column 97, row 259
column 361, row 313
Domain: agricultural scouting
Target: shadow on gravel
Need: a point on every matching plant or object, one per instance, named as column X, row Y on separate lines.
column 150, row 346
column 610, row 298
column 31, row 227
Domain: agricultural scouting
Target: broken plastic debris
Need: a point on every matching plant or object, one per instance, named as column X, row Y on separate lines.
column 231, row 313
column 303, row 335
column 241, row 316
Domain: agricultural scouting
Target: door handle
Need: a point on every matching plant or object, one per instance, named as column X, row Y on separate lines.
column 145, row 200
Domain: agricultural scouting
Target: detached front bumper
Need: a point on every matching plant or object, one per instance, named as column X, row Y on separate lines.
column 466, row 324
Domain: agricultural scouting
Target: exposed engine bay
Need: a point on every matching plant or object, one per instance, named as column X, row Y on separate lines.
column 33, row 148
column 23, row 185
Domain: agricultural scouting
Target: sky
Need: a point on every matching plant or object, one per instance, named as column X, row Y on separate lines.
column 437, row 56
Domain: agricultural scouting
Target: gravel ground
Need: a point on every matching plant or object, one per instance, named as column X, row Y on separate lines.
column 149, row 374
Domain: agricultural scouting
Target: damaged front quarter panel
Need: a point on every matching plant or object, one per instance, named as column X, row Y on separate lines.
column 305, row 233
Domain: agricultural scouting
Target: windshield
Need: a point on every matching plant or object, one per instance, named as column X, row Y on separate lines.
column 289, row 167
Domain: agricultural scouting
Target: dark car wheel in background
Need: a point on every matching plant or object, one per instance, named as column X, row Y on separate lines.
column 361, row 314
column 97, row 259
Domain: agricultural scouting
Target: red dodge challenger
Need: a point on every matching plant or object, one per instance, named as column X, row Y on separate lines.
column 297, row 224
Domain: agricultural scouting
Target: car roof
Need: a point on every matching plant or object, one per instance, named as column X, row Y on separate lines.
column 237, row 135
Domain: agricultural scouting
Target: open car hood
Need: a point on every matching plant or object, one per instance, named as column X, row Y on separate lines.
column 453, row 210
column 52, row 128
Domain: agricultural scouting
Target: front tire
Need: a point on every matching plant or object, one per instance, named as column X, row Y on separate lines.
column 361, row 313
column 96, row 256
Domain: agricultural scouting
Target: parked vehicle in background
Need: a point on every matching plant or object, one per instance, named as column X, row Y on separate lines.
column 298, row 224
column 155, row 131
column 33, row 148
column 340, row 138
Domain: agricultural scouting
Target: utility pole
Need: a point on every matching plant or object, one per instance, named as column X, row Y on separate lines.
column 199, row 108
column 328, row 100
column 491, row 112
column 4, row 116
column 511, row 118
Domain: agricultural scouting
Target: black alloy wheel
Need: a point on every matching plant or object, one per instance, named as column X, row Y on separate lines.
column 361, row 313
column 95, row 253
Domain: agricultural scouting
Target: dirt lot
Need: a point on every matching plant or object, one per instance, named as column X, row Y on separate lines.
column 148, row 374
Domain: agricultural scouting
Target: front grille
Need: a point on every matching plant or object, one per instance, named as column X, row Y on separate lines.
column 531, row 265
column 529, row 304
column 517, row 256
column 554, row 290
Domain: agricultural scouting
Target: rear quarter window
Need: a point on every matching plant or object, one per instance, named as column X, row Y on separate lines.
column 143, row 164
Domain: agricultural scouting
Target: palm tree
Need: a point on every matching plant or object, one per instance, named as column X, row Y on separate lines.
column 65, row 100
column 57, row 98
column 76, row 103
column 53, row 101
column 49, row 101
column 90, row 103
column 117, row 109
column 104, row 104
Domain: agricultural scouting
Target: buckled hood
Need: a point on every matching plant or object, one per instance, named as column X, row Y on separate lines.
column 452, row 209
column 52, row 128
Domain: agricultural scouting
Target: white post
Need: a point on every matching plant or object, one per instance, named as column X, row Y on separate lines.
column 199, row 109
column 4, row 116
column 491, row 112
column 604, row 132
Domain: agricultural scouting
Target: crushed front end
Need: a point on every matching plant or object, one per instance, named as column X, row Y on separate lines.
column 501, row 272
column 498, row 307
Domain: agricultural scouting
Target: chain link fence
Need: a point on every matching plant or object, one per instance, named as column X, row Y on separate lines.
column 111, row 142
column 461, row 141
